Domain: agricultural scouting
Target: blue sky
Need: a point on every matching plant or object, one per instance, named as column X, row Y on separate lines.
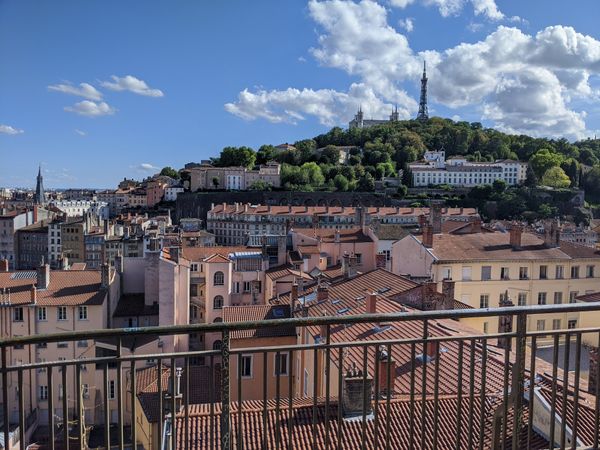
column 173, row 82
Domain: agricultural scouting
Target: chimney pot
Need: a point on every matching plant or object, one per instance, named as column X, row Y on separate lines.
column 356, row 393
column 372, row 303
column 432, row 348
column 427, row 235
column 385, row 360
column 33, row 292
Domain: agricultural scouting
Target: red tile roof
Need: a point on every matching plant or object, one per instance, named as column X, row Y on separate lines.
column 67, row 287
column 199, row 253
column 593, row 297
column 329, row 235
column 255, row 313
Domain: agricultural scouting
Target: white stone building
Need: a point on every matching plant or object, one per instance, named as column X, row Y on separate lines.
column 77, row 208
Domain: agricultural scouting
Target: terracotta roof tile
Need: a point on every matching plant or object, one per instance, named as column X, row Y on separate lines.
column 258, row 312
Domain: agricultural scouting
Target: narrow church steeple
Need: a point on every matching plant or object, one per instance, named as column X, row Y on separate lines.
column 423, row 112
column 40, row 195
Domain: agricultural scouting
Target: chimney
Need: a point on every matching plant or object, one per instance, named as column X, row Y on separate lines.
column 384, row 361
column 436, row 217
column 294, row 297
column 175, row 253
column 552, row 234
column 336, row 238
column 33, row 292
column 516, row 233
column 104, row 276
column 477, row 226
column 322, row 293
column 43, row 276
column 371, row 303
column 3, row 265
column 432, row 349
column 428, row 236
column 448, row 293
column 356, row 393
column 347, row 268
column 422, row 221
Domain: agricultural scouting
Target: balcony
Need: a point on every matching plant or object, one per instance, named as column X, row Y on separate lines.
column 407, row 380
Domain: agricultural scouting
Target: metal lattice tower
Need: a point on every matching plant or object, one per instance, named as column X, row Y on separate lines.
column 423, row 112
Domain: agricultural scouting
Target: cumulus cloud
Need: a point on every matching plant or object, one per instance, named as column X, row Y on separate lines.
column 91, row 109
column 408, row 24
column 84, row 90
column 7, row 129
column 131, row 84
column 519, row 82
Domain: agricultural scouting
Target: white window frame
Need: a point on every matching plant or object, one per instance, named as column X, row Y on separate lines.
column 82, row 312
column 42, row 314
column 60, row 316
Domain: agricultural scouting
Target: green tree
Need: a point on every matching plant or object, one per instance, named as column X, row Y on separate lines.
column 313, row 173
column 555, row 177
column 261, row 185
column 265, row 154
column 402, row 191
column 341, row 183
column 215, row 182
column 170, row 172
column 543, row 160
column 236, row 157
column 330, row 155
column 385, row 170
column 366, row 183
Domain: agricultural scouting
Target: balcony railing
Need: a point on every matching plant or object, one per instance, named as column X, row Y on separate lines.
column 454, row 390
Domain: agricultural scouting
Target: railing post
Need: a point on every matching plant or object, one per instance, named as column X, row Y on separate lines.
column 518, row 380
column 5, row 421
column 225, row 397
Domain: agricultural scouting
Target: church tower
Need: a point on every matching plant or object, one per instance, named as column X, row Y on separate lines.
column 40, row 196
column 423, row 112
column 394, row 117
column 358, row 120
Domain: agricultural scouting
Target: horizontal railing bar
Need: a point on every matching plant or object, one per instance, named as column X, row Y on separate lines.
column 563, row 331
column 304, row 321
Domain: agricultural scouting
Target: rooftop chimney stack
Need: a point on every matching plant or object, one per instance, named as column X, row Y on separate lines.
column 33, row 292
column 516, row 234
column 322, row 293
column 387, row 364
column 372, row 303
column 104, row 276
column 43, row 275
column 336, row 238
column 356, row 393
column 3, row 265
column 422, row 221
column 428, row 236
column 432, row 349
column 436, row 217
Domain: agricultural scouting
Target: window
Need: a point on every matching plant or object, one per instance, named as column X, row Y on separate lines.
column 41, row 314
column 466, row 273
column 358, row 257
column 217, row 345
column 247, row 286
column 305, row 382
column 62, row 344
column 541, row 298
column 194, row 267
column 486, row 327
column 447, row 273
column 558, row 298
column 522, row 299
column 556, row 324
column 589, row 272
column 218, row 302
column 541, row 325
column 42, row 345
column 573, row 296
column 193, row 290
column 82, row 343
column 560, row 272
column 486, row 273
column 575, row 272
column 523, row 273
column 504, row 273
column 193, row 312
column 18, row 314
column 571, row 324
column 111, row 389
column 43, row 392
column 246, row 366
column 484, row 301
column 543, row 272
column 62, row 313
column 219, row 279
column 83, row 312
column 281, row 364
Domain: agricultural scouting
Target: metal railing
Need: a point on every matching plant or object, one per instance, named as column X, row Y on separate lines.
column 487, row 401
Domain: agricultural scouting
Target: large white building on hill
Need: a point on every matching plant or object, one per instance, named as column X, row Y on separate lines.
column 457, row 171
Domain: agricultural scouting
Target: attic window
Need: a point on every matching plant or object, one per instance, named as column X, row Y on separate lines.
column 382, row 328
column 336, row 301
column 362, row 297
column 384, row 290
column 343, row 310
column 278, row 312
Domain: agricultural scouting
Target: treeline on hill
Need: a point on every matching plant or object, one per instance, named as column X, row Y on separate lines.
column 383, row 150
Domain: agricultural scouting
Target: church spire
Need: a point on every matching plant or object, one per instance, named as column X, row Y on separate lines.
column 423, row 112
column 40, row 195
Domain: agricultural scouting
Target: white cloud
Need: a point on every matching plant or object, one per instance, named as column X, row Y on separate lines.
column 132, row 84
column 145, row 168
column 7, row 129
column 408, row 24
column 447, row 8
column 519, row 82
column 91, row 109
column 80, row 132
column 84, row 90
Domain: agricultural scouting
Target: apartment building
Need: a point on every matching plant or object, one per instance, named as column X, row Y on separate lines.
column 47, row 301
column 233, row 223
column 31, row 245
column 10, row 222
column 208, row 177
column 77, row 208
column 457, row 171
column 72, row 235
column 492, row 269
column 94, row 248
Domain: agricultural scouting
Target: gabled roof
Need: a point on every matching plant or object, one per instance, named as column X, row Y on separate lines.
column 218, row 258
column 259, row 312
